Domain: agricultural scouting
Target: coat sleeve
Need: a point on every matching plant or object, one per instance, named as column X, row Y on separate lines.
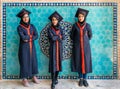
column 51, row 36
column 22, row 35
column 63, row 36
column 89, row 31
column 35, row 33
column 72, row 32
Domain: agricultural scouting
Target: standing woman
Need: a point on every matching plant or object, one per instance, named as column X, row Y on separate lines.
column 81, row 35
column 55, row 38
column 27, row 52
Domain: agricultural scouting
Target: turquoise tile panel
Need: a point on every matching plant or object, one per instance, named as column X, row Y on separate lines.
column 102, row 43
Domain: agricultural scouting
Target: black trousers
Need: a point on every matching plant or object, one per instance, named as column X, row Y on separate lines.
column 54, row 76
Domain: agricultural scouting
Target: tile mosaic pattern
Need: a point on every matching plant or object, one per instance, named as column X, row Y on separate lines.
column 66, row 43
column 102, row 17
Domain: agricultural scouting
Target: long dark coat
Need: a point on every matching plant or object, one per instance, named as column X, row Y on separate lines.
column 76, row 57
column 27, row 59
column 52, row 50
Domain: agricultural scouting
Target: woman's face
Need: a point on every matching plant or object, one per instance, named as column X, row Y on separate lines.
column 54, row 21
column 25, row 18
column 81, row 17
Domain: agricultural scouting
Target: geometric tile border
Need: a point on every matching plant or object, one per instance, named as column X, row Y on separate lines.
column 61, row 4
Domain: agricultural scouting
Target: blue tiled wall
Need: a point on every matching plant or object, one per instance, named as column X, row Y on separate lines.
column 101, row 18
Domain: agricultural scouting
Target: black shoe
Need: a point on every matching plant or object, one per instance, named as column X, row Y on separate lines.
column 52, row 86
column 85, row 83
column 56, row 82
column 80, row 82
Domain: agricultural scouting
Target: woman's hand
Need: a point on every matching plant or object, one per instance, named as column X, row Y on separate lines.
column 25, row 40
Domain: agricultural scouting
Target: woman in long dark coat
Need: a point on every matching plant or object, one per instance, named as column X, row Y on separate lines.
column 27, row 52
column 55, row 38
column 81, row 35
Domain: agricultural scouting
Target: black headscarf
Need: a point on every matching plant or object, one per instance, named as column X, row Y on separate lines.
column 25, row 24
column 83, row 12
column 21, row 14
column 83, row 22
column 56, row 27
